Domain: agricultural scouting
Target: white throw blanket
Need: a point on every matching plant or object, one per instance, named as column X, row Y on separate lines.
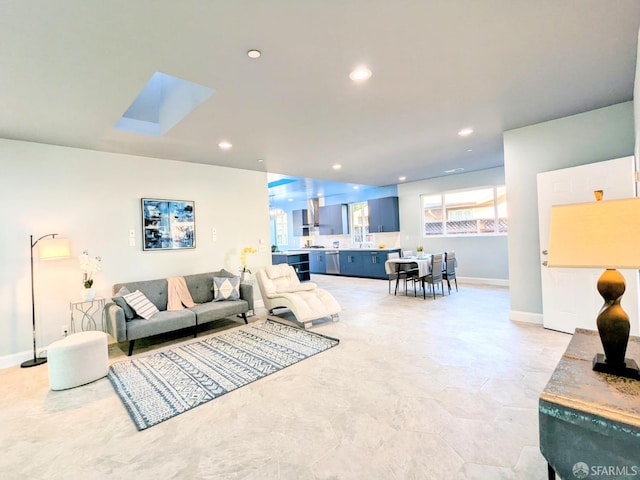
column 178, row 295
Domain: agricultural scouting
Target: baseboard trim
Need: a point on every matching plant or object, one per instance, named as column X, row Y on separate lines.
column 496, row 282
column 525, row 317
column 15, row 359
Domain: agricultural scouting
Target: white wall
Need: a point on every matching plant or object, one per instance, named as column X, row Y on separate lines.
column 93, row 198
column 636, row 106
column 589, row 137
column 479, row 257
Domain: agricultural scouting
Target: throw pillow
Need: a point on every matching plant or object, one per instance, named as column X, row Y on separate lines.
column 119, row 300
column 226, row 288
column 141, row 304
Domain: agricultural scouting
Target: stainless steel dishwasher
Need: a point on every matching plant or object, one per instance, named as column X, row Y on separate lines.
column 333, row 261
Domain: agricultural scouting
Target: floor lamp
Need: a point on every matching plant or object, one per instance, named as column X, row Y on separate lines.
column 50, row 249
column 602, row 234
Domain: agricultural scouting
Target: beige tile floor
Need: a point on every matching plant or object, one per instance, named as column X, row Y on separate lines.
column 417, row 389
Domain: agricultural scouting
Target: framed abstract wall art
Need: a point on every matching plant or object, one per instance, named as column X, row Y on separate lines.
column 168, row 224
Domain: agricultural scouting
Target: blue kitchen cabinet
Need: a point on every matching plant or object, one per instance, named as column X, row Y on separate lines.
column 364, row 263
column 351, row 263
column 317, row 262
column 373, row 264
column 300, row 220
column 384, row 215
column 334, row 219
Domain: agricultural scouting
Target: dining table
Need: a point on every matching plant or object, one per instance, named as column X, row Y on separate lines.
column 423, row 263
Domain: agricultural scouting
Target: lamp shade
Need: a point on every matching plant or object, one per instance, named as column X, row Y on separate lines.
column 54, row 248
column 595, row 234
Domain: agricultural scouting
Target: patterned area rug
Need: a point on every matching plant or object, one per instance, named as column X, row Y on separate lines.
column 162, row 385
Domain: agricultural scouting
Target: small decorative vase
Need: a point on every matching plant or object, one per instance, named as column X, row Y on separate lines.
column 245, row 277
column 89, row 294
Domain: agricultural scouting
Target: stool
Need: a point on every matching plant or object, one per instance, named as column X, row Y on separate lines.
column 77, row 359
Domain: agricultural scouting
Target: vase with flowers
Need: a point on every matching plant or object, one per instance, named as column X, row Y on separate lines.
column 89, row 265
column 245, row 273
column 420, row 251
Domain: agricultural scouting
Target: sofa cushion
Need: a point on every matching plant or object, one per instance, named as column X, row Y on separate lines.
column 141, row 304
column 161, row 322
column 200, row 286
column 119, row 300
column 208, row 312
column 226, row 288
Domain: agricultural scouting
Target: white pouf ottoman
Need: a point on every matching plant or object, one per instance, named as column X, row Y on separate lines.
column 77, row 359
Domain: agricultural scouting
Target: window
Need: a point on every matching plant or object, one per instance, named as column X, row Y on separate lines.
column 501, row 208
column 465, row 212
column 359, row 221
column 432, row 208
column 281, row 226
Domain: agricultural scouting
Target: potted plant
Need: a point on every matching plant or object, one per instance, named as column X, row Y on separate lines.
column 89, row 266
column 245, row 273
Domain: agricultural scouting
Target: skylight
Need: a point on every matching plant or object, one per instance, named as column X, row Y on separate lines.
column 163, row 102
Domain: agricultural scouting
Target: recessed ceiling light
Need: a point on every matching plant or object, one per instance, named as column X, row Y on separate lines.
column 360, row 74
column 290, row 199
column 260, row 160
column 469, row 150
column 337, row 166
column 465, row 132
column 253, row 53
column 225, row 145
column 402, row 179
column 356, row 187
column 454, row 170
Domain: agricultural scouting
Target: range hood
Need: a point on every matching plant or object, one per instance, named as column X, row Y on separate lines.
column 313, row 219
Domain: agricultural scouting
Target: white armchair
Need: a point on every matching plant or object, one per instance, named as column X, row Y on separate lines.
column 281, row 288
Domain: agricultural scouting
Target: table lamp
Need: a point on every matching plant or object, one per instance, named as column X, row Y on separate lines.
column 50, row 249
column 601, row 234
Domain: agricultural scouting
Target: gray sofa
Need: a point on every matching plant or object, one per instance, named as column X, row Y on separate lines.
column 123, row 324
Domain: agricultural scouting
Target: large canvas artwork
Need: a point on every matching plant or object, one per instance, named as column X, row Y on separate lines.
column 168, row 224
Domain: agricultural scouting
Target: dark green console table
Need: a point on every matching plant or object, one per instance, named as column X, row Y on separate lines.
column 590, row 421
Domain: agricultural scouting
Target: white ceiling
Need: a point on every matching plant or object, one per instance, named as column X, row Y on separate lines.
column 70, row 68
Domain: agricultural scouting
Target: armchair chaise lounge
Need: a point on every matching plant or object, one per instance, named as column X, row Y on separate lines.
column 281, row 288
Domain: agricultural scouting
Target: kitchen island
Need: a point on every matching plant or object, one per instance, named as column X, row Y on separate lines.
column 298, row 259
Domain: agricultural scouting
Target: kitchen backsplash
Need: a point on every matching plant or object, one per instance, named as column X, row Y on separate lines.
column 390, row 240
